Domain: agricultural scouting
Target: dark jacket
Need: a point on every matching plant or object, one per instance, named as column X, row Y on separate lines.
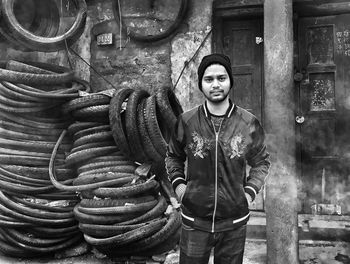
column 216, row 166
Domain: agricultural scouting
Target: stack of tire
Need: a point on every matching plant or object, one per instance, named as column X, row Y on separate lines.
column 125, row 214
column 124, row 211
column 90, row 132
column 142, row 128
column 35, row 218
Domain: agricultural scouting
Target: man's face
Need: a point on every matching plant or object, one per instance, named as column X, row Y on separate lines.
column 216, row 83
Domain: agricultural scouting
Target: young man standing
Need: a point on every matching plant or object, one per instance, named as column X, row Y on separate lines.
column 217, row 139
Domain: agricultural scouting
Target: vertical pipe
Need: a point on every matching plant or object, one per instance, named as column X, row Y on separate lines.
column 281, row 185
column 323, row 185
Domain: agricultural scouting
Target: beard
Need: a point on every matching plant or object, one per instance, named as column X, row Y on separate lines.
column 216, row 100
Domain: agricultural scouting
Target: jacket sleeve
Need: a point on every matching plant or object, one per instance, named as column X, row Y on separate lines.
column 258, row 159
column 176, row 155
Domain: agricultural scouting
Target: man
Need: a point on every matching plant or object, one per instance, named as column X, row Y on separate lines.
column 217, row 139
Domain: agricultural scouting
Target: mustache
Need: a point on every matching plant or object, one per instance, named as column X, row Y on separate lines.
column 216, row 90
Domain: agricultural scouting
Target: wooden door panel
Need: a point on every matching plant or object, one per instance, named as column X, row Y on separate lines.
column 244, row 93
column 242, row 45
column 323, row 144
column 320, row 44
column 321, row 92
column 318, row 139
column 239, row 43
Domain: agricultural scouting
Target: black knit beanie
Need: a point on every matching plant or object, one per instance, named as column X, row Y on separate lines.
column 215, row 58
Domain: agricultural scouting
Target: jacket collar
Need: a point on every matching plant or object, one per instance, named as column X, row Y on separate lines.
column 232, row 107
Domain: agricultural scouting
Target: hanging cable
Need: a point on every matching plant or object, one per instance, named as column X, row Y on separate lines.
column 65, row 42
column 90, row 66
column 120, row 26
column 192, row 58
column 61, row 9
column 68, row 55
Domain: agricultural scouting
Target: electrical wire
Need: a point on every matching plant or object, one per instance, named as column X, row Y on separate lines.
column 120, row 47
column 120, row 26
column 65, row 42
column 192, row 58
column 90, row 66
column 68, row 55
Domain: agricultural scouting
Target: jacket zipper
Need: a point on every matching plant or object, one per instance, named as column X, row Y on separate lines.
column 216, row 173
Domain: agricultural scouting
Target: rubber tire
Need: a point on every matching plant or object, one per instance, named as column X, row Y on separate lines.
column 153, row 129
column 116, row 120
column 38, row 43
column 85, row 101
column 168, row 105
column 152, row 153
column 138, row 37
column 133, row 135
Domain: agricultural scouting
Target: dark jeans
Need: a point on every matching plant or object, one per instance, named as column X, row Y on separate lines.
column 196, row 245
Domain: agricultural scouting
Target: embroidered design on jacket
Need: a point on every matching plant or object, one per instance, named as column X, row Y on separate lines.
column 237, row 146
column 199, row 145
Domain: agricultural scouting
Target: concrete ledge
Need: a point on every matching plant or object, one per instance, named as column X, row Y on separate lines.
column 310, row 227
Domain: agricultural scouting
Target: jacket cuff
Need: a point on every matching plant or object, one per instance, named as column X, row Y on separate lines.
column 180, row 191
column 178, row 180
column 252, row 191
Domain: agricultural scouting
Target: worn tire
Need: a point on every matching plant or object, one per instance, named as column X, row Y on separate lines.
column 127, row 191
column 78, row 126
column 128, row 237
column 98, row 113
column 91, row 130
column 45, row 23
column 155, row 212
column 97, row 137
column 86, row 154
column 124, row 178
column 102, row 164
column 116, row 121
column 124, row 209
column 35, row 79
column 151, row 152
column 150, row 38
column 126, row 168
column 39, row 43
column 100, row 219
column 153, row 129
column 94, row 203
column 132, row 130
column 104, row 231
column 169, row 106
column 85, row 101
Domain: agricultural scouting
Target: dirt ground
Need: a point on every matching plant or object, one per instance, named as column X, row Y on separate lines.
column 310, row 252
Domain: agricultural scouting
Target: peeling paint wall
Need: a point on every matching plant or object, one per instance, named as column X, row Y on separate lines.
column 128, row 63
column 125, row 63
column 184, row 46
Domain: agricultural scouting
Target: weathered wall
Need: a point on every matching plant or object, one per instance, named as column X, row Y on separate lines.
column 81, row 47
column 124, row 63
column 184, row 46
column 128, row 63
